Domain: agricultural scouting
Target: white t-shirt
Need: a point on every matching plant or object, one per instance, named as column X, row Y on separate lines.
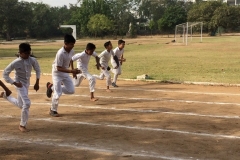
column 105, row 56
column 117, row 52
column 62, row 59
column 23, row 68
column 83, row 60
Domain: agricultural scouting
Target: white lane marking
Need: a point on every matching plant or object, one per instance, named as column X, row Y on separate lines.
column 154, row 99
column 136, row 128
column 160, row 90
column 170, row 91
column 77, row 146
column 139, row 110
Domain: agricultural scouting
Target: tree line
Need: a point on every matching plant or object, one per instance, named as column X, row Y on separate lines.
column 99, row 18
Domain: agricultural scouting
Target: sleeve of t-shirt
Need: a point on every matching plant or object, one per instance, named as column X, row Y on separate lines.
column 59, row 59
column 76, row 56
column 94, row 54
column 6, row 73
column 36, row 67
column 114, row 51
column 101, row 55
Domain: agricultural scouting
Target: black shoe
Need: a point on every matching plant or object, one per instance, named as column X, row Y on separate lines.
column 49, row 89
column 54, row 113
column 114, row 84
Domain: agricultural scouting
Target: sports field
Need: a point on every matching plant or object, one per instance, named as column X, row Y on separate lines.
column 214, row 60
column 138, row 120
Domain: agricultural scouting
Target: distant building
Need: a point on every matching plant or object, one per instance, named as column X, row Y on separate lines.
column 230, row 2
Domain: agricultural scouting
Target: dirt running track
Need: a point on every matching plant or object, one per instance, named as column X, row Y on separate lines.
column 137, row 121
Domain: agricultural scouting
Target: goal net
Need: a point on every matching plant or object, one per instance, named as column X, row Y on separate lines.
column 187, row 32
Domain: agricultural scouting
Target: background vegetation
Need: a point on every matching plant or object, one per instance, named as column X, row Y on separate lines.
column 100, row 18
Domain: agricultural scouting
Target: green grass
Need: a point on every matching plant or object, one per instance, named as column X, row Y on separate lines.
column 214, row 60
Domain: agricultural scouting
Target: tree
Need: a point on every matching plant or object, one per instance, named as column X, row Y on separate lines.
column 152, row 25
column 14, row 17
column 151, row 10
column 60, row 16
column 122, row 16
column 226, row 17
column 41, row 20
column 173, row 15
column 98, row 24
column 81, row 15
column 203, row 12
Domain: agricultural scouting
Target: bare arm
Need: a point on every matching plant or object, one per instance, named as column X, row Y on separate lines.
column 74, row 71
column 71, row 64
column 121, row 59
column 98, row 62
column 72, row 67
column 36, row 86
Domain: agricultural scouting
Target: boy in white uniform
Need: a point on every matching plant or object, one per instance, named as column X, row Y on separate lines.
column 82, row 64
column 60, row 74
column 105, row 56
column 23, row 66
column 118, row 51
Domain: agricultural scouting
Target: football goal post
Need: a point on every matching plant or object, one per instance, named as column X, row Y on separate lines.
column 187, row 30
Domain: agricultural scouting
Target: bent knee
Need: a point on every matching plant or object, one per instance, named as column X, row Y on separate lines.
column 27, row 104
column 76, row 85
column 92, row 79
column 71, row 91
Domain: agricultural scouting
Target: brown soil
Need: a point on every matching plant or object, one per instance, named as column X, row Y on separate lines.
column 137, row 121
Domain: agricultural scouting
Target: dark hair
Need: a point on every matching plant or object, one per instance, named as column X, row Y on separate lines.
column 121, row 41
column 90, row 46
column 107, row 44
column 24, row 47
column 69, row 39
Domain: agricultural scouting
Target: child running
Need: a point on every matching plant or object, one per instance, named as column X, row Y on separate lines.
column 105, row 56
column 62, row 82
column 23, row 66
column 82, row 64
column 118, row 51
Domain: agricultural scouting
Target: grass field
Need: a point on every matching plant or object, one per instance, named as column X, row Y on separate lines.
column 216, row 59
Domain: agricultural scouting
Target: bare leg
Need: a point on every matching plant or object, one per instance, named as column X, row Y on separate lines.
column 1, row 95
column 93, row 98
column 108, row 90
column 8, row 92
column 23, row 129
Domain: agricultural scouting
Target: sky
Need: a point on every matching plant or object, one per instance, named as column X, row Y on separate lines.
column 54, row 3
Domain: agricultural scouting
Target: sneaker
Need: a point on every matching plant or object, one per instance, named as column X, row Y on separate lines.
column 114, row 84
column 54, row 113
column 49, row 89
